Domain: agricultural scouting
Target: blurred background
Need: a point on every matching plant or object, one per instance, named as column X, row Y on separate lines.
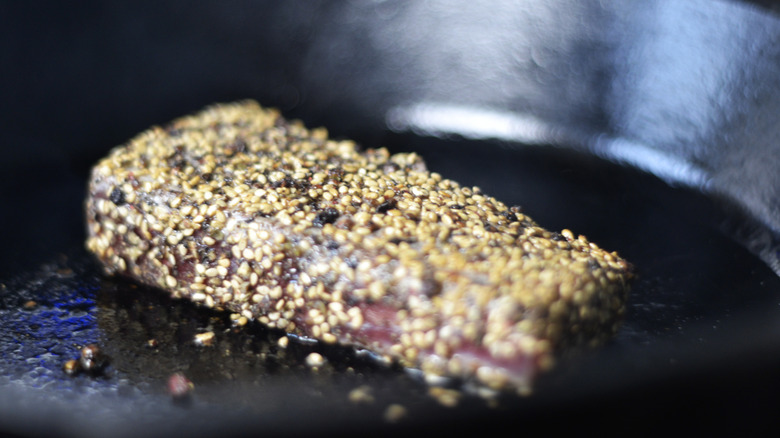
column 686, row 90
column 683, row 96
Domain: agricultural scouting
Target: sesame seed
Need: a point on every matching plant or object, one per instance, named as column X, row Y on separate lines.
column 211, row 272
column 315, row 360
column 198, row 296
column 306, row 226
column 205, row 339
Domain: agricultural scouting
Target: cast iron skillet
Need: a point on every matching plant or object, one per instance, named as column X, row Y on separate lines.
column 649, row 129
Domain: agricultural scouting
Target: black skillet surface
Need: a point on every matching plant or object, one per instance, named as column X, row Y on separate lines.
column 686, row 92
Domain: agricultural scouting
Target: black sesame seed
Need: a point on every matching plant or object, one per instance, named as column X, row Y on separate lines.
column 284, row 182
column 237, row 146
column 301, row 184
column 177, row 163
column 510, row 216
column 336, row 173
column 327, row 216
column 117, row 196
column 385, row 206
column 390, row 167
column 398, row 240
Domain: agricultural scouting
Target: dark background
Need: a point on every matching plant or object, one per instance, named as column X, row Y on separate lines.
column 698, row 82
column 695, row 84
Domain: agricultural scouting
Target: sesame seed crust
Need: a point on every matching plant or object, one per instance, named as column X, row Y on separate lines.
column 238, row 209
